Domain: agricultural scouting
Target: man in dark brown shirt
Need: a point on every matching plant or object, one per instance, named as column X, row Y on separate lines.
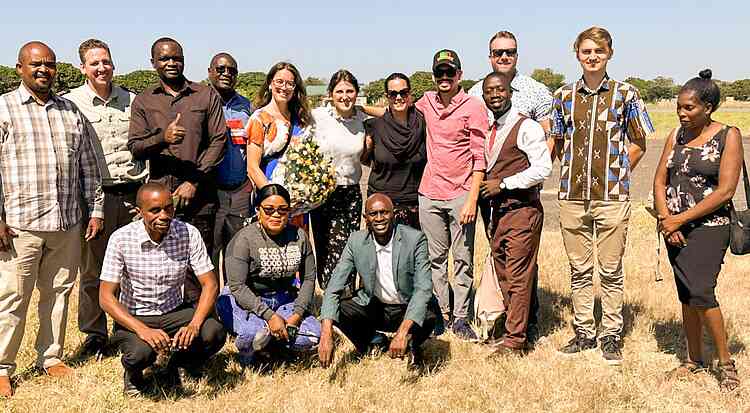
column 179, row 127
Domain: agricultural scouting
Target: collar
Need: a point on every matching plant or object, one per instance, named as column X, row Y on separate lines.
column 356, row 115
column 387, row 247
column 458, row 98
column 93, row 97
column 27, row 97
column 604, row 85
column 143, row 237
column 188, row 87
column 509, row 116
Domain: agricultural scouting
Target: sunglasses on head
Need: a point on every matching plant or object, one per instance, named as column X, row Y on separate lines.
column 501, row 52
column 393, row 94
column 227, row 69
column 282, row 210
column 441, row 72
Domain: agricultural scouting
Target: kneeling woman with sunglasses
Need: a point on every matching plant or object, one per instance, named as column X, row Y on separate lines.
column 395, row 150
column 271, row 280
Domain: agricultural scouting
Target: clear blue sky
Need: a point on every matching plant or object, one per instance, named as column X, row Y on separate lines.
column 377, row 37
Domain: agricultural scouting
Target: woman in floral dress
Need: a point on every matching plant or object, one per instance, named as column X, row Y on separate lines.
column 693, row 188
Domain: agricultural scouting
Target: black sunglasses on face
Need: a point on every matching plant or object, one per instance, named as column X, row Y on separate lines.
column 499, row 52
column 269, row 210
column 444, row 72
column 228, row 69
column 393, row 94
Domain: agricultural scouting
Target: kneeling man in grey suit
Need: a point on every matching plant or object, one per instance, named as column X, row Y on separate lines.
column 394, row 266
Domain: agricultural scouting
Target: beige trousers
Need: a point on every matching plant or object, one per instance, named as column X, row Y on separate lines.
column 49, row 261
column 604, row 224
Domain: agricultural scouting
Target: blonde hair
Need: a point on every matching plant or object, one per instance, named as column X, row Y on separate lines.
column 598, row 35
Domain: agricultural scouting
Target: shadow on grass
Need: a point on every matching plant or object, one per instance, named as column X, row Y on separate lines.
column 552, row 306
column 670, row 339
column 436, row 355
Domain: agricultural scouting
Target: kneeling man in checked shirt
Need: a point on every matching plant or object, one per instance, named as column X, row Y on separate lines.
column 148, row 260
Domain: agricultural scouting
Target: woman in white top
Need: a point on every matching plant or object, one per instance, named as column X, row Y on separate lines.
column 340, row 132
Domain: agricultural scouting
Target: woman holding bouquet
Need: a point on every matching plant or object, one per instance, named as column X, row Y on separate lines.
column 340, row 132
column 395, row 150
column 270, row 282
column 283, row 114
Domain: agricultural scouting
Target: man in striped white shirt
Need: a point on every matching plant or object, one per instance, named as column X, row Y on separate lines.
column 48, row 166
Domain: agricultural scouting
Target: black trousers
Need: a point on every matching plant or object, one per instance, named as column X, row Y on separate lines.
column 359, row 323
column 137, row 354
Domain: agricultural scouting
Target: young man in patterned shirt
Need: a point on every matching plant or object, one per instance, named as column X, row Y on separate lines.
column 601, row 126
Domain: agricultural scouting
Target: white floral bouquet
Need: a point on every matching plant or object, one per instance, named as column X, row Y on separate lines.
column 306, row 172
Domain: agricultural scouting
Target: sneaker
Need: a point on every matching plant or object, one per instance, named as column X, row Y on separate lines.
column 132, row 383
column 463, row 330
column 578, row 344
column 611, row 351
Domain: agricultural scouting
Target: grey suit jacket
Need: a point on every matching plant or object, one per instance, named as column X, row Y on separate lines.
column 411, row 272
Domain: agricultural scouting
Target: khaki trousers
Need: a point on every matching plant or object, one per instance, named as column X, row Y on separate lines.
column 605, row 224
column 49, row 261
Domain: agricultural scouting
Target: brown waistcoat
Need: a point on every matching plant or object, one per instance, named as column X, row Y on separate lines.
column 510, row 162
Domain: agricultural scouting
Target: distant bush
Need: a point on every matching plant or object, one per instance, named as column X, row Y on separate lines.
column 68, row 77
column 137, row 81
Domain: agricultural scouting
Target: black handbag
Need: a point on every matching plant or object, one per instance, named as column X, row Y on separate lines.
column 739, row 231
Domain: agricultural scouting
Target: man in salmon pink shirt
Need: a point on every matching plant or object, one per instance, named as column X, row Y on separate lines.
column 456, row 128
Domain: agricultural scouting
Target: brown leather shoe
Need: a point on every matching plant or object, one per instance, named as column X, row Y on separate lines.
column 5, row 388
column 59, row 370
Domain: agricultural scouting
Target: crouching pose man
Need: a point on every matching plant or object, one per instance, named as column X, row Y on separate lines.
column 394, row 265
column 148, row 260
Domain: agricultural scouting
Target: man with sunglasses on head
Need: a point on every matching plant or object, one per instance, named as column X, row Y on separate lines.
column 456, row 130
column 107, row 107
column 531, row 99
column 179, row 127
column 233, row 186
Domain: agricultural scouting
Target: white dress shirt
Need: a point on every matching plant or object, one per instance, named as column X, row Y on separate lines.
column 385, row 286
column 343, row 140
column 531, row 141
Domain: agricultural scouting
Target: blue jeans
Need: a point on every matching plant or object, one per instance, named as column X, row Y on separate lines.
column 245, row 325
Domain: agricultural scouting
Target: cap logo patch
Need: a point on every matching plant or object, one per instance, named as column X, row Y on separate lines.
column 445, row 55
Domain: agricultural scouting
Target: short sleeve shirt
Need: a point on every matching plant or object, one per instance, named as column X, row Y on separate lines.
column 596, row 127
column 152, row 275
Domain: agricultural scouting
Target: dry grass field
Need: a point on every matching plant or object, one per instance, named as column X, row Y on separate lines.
column 665, row 119
column 460, row 378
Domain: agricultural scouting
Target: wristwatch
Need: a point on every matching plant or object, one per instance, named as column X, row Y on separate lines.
column 502, row 185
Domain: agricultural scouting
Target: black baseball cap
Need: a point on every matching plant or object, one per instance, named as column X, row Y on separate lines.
column 446, row 57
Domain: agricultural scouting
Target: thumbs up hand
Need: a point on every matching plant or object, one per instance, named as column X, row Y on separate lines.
column 174, row 133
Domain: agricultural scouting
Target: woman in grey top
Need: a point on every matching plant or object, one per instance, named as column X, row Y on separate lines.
column 270, row 271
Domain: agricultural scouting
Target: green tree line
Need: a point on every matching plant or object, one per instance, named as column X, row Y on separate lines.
column 661, row 87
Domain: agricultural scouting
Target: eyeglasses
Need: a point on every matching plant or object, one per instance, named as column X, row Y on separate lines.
column 228, row 69
column 393, row 94
column 440, row 72
column 500, row 52
column 291, row 84
column 282, row 210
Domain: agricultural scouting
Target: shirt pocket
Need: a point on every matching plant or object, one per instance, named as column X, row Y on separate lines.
column 195, row 120
column 175, row 270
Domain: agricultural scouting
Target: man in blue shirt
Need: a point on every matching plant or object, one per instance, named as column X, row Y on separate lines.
column 234, row 189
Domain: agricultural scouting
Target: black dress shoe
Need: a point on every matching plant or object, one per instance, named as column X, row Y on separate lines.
column 417, row 359
column 133, row 383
